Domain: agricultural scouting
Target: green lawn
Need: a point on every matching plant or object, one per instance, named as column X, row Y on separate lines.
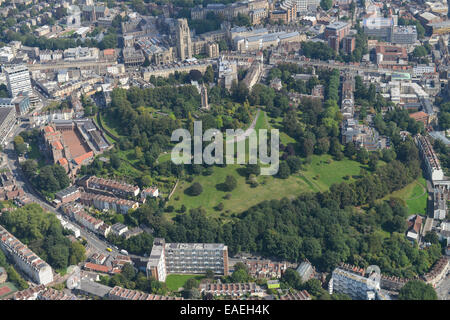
column 276, row 123
column 108, row 138
column 242, row 197
column 319, row 175
column 110, row 124
column 261, row 122
column 176, row 281
column 36, row 154
column 323, row 171
column 164, row 157
column 415, row 196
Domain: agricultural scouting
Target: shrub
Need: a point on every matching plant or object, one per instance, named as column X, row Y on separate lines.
column 195, row 189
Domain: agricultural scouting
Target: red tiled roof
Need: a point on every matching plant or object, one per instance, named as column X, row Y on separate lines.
column 418, row 115
column 108, row 52
column 79, row 160
column 96, row 267
column 417, row 224
column 48, row 129
column 63, row 161
column 57, row 145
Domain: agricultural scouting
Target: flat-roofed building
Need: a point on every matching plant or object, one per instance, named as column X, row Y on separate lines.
column 404, row 34
column 356, row 283
column 378, row 27
column 18, row 80
column 69, row 194
column 186, row 258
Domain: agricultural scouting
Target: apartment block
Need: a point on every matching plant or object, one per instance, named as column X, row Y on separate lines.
column 186, row 258
column 354, row 283
column 26, row 260
column 431, row 160
column 338, row 29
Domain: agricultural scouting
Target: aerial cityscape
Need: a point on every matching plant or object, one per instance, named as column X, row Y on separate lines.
column 119, row 176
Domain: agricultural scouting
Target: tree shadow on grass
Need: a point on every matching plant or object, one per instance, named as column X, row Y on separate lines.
column 242, row 172
column 221, row 187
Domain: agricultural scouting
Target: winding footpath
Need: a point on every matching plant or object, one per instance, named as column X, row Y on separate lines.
column 246, row 134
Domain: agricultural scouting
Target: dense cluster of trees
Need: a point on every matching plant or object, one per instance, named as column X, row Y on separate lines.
column 42, row 232
column 417, row 290
column 317, row 50
column 90, row 108
column 50, row 179
column 444, row 116
column 316, row 130
column 326, row 4
column 285, row 71
column 211, row 23
column 131, row 279
column 317, row 227
column 19, row 145
column 140, row 244
column 397, row 120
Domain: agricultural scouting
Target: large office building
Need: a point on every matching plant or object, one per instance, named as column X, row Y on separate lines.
column 18, row 80
column 378, row 27
column 306, row 5
column 7, row 120
column 25, row 259
column 186, row 258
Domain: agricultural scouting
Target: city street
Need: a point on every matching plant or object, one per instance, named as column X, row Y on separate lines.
column 13, row 164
